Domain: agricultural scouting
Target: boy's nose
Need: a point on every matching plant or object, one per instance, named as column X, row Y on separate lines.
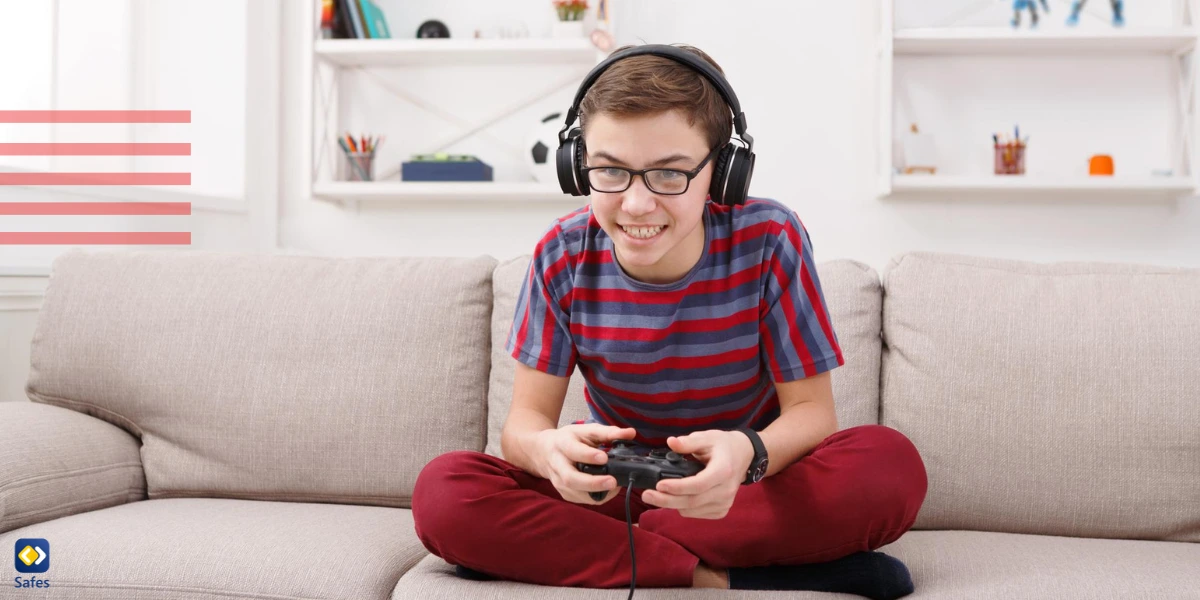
column 638, row 199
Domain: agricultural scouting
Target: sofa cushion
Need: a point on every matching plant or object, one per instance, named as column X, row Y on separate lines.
column 1059, row 399
column 434, row 579
column 951, row 565
column 302, row 378
column 945, row 565
column 56, row 462
column 852, row 292
column 197, row 548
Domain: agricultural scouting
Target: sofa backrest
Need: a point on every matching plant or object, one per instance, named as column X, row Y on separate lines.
column 852, row 292
column 271, row 377
column 1058, row 399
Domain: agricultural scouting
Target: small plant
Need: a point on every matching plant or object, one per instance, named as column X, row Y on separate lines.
column 570, row 10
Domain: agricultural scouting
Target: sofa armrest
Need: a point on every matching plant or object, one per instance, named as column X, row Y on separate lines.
column 56, row 462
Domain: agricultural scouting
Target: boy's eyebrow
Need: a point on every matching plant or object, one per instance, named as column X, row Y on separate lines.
column 662, row 161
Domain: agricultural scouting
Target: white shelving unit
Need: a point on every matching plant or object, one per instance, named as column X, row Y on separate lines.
column 325, row 58
column 1176, row 44
column 395, row 53
column 979, row 40
column 1007, row 183
column 419, row 191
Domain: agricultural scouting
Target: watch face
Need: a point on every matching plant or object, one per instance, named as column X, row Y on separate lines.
column 760, row 471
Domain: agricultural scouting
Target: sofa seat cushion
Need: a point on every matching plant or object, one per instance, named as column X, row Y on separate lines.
column 945, row 565
column 981, row 565
column 434, row 579
column 198, row 548
column 853, row 294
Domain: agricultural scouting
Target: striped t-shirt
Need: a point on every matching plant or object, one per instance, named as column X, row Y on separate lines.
column 699, row 353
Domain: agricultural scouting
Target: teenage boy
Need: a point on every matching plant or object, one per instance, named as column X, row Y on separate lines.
column 699, row 325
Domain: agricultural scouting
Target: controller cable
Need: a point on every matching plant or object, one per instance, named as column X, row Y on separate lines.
column 629, row 525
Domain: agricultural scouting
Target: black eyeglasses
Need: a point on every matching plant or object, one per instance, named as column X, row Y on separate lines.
column 668, row 182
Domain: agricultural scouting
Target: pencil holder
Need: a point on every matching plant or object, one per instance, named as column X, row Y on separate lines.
column 1010, row 158
column 358, row 166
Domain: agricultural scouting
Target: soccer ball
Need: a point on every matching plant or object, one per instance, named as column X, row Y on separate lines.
column 542, row 145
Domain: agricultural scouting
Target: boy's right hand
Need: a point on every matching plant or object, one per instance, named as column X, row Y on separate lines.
column 559, row 449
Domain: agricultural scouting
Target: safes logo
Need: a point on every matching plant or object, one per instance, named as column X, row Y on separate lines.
column 31, row 555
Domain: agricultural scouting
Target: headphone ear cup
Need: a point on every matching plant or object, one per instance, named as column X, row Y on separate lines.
column 585, row 186
column 741, row 168
column 568, row 161
column 716, row 189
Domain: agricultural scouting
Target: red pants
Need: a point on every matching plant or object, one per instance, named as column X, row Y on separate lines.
column 858, row 490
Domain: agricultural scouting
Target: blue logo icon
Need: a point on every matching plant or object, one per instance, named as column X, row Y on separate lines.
column 32, row 555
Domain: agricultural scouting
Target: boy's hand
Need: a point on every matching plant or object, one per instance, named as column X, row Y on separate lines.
column 708, row 494
column 559, row 450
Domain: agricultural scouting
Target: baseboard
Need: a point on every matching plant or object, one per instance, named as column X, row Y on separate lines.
column 22, row 293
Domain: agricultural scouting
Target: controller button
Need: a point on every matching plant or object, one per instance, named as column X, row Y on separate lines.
column 674, row 457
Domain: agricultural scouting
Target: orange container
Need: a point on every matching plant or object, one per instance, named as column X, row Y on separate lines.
column 1100, row 164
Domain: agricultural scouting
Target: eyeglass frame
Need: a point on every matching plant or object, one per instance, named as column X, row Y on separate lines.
column 586, row 171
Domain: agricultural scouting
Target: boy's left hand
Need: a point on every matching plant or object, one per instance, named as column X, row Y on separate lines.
column 708, row 494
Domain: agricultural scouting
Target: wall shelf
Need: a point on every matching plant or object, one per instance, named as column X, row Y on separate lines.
column 994, row 40
column 1172, row 44
column 326, row 62
column 442, row 52
column 1040, row 184
column 436, row 191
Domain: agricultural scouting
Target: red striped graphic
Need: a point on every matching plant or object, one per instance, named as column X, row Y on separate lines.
column 95, row 237
column 95, row 178
column 95, row 208
column 89, row 149
column 95, row 116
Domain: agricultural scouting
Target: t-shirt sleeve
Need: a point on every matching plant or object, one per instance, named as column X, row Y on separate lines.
column 540, row 335
column 797, row 335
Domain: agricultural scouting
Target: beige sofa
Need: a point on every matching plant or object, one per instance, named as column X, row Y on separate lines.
column 216, row 425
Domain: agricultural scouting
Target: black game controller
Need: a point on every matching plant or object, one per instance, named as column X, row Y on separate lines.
column 645, row 465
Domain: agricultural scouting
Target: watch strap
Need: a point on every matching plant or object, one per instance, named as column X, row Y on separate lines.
column 760, row 452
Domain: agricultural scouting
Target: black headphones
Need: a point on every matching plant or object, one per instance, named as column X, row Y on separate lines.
column 733, row 166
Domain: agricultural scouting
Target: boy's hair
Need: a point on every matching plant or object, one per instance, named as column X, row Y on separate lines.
column 648, row 85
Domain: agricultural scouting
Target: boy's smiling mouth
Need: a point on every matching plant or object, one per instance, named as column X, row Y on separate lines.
column 642, row 233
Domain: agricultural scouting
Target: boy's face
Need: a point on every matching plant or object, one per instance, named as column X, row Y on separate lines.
column 664, row 140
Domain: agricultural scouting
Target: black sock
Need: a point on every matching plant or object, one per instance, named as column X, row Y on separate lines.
column 871, row 574
column 472, row 574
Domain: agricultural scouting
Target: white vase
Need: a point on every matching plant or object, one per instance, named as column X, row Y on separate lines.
column 567, row 29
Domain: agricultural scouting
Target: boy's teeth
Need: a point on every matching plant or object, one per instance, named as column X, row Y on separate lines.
column 643, row 232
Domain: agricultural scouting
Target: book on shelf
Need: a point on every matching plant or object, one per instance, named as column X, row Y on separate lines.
column 358, row 19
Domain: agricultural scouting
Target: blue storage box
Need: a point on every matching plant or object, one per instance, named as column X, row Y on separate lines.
column 444, row 167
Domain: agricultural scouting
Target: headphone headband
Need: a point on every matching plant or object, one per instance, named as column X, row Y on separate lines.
column 678, row 55
column 733, row 165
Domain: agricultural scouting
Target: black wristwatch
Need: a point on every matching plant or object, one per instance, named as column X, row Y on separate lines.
column 758, row 465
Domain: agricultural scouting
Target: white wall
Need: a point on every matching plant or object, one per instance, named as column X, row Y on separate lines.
column 133, row 54
column 137, row 54
column 805, row 72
